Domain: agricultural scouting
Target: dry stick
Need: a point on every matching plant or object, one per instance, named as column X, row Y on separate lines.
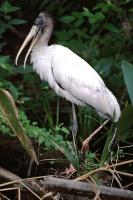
column 94, row 182
column 8, row 175
column 128, row 185
column 30, row 167
column 24, row 184
column 115, row 177
column 8, row 189
column 119, row 172
column 4, row 197
column 97, row 195
column 25, row 179
column 84, row 189
column 129, row 146
column 102, row 168
column 96, row 191
column 19, row 194
column 121, row 163
column 32, row 186
column 28, row 188
column 87, row 140
column 49, row 194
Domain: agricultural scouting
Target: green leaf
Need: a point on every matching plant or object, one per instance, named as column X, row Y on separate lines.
column 125, row 123
column 9, row 110
column 17, row 21
column 86, row 12
column 127, row 70
column 103, row 66
column 41, row 139
column 65, row 130
column 96, row 17
column 57, row 128
column 69, row 153
column 67, row 19
column 111, row 27
column 4, row 62
column 8, row 8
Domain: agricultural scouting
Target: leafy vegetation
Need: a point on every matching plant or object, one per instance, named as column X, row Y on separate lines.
column 98, row 31
column 9, row 111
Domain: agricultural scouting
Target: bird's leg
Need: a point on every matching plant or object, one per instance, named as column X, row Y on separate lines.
column 74, row 121
column 85, row 145
column 69, row 171
column 74, row 126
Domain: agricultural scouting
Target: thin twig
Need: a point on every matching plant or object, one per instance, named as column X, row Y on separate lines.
column 25, row 179
column 88, row 139
column 119, row 172
column 115, row 177
column 29, row 189
column 4, row 197
column 30, row 167
column 19, row 194
column 101, row 169
column 8, row 189
column 97, row 195
column 94, row 182
column 121, row 163
column 128, row 185
column 126, row 146
column 49, row 194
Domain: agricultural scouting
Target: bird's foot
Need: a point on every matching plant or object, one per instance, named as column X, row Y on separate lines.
column 85, row 146
column 69, row 171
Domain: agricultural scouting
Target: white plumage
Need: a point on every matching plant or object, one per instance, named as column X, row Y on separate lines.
column 73, row 78
column 67, row 74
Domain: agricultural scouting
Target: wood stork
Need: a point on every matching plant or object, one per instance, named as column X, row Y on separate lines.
column 67, row 74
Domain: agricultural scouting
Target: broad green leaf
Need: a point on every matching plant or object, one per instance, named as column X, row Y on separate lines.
column 9, row 110
column 87, row 13
column 104, row 6
column 67, row 19
column 125, row 123
column 17, row 21
column 127, row 70
column 65, row 130
column 4, row 59
column 103, row 66
column 57, row 128
column 96, row 17
column 8, row 8
column 111, row 27
column 4, row 63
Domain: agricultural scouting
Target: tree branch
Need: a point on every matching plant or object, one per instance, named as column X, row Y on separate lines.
column 78, row 188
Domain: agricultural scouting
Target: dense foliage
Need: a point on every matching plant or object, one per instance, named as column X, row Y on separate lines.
column 98, row 31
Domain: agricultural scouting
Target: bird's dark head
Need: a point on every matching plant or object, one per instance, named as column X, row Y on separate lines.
column 43, row 20
column 41, row 23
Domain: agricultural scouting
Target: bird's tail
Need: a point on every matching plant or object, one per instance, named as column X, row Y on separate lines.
column 115, row 111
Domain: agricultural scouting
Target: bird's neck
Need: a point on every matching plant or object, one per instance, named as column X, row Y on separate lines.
column 46, row 35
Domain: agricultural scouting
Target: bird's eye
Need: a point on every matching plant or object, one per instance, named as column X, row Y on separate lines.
column 39, row 22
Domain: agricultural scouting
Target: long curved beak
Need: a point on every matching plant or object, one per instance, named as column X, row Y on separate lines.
column 34, row 33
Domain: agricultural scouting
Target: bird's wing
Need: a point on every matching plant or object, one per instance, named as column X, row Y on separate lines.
column 78, row 78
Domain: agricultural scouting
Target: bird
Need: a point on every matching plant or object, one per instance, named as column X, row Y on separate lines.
column 70, row 76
